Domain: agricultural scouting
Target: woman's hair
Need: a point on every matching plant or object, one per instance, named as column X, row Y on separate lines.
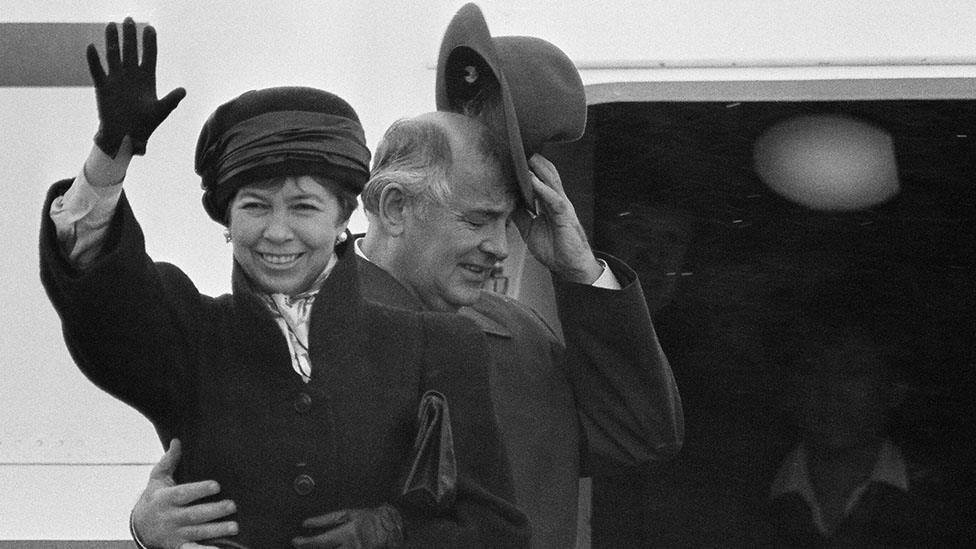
column 347, row 199
column 344, row 197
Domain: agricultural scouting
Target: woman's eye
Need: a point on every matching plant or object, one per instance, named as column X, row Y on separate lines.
column 252, row 206
column 306, row 207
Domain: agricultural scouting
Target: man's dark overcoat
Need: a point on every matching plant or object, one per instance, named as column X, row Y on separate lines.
column 603, row 401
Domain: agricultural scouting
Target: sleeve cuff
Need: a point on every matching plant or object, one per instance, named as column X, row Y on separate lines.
column 135, row 535
column 82, row 216
column 85, row 201
column 607, row 280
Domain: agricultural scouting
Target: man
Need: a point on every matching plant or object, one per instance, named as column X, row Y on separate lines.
column 604, row 400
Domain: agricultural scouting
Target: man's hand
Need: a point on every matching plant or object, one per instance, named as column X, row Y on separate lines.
column 126, row 95
column 555, row 237
column 164, row 517
column 379, row 528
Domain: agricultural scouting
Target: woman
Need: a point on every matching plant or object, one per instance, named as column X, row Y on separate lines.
column 292, row 392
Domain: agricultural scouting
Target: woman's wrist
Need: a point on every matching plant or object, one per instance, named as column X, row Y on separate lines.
column 102, row 170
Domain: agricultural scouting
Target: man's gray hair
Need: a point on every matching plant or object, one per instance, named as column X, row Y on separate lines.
column 416, row 153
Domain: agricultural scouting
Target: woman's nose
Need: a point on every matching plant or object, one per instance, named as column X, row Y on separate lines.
column 277, row 229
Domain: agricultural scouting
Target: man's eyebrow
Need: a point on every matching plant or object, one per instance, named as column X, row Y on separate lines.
column 306, row 196
column 487, row 212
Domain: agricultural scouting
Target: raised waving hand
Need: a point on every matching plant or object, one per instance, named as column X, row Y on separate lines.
column 126, row 94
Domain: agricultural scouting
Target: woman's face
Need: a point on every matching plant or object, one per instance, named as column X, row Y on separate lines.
column 284, row 232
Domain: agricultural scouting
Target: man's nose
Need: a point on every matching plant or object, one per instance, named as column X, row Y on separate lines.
column 496, row 242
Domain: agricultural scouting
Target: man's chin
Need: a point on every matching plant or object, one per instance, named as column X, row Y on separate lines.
column 464, row 297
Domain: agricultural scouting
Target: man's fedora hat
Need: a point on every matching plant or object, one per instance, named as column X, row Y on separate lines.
column 541, row 91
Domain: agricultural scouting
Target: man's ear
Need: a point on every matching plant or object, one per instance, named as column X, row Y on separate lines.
column 392, row 210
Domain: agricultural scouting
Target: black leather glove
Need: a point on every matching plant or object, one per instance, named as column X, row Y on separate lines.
column 127, row 103
column 377, row 528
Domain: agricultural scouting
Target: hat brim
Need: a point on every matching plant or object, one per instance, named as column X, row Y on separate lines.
column 468, row 29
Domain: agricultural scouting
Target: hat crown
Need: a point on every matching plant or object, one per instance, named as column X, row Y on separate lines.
column 541, row 92
column 547, row 91
column 257, row 102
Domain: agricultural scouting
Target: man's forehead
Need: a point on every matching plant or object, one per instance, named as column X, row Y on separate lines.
column 473, row 198
column 480, row 176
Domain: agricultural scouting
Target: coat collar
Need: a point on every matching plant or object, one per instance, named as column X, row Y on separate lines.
column 379, row 286
column 794, row 477
column 487, row 324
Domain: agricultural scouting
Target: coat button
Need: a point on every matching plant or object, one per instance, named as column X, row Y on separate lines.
column 303, row 403
column 304, row 485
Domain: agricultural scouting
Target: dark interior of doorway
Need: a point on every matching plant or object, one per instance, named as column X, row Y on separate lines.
column 733, row 274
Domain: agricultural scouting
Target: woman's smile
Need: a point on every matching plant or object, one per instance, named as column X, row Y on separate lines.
column 279, row 260
column 284, row 232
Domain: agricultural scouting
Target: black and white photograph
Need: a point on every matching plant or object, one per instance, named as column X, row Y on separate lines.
column 507, row 274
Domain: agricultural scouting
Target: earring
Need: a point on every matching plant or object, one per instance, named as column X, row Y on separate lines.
column 341, row 238
column 227, row 237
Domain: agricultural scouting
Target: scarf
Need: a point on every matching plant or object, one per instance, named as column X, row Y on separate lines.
column 292, row 313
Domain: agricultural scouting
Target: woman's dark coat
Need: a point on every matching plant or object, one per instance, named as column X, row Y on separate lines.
column 216, row 373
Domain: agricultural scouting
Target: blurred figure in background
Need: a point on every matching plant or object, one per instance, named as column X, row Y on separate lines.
column 846, row 482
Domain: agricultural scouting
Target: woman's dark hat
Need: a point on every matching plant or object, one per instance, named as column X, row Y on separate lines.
column 541, row 90
column 277, row 132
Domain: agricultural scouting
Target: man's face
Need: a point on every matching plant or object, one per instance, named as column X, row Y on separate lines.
column 449, row 249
